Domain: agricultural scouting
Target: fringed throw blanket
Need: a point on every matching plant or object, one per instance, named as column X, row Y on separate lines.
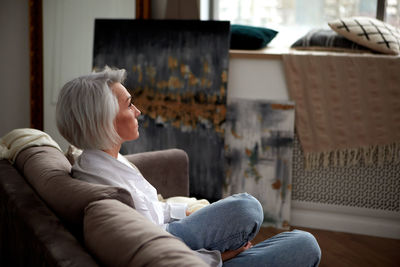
column 347, row 107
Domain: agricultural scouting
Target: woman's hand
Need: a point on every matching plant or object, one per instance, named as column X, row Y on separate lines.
column 229, row 254
column 188, row 212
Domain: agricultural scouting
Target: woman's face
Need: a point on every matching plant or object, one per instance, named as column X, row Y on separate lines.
column 126, row 123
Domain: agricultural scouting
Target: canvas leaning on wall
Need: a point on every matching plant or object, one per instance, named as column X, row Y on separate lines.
column 259, row 138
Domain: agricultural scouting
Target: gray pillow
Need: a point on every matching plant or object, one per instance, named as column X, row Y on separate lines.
column 327, row 40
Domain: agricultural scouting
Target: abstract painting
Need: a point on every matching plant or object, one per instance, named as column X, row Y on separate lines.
column 177, row 74
column 259, row 140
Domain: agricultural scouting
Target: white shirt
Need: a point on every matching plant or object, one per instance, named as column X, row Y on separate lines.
column 96, row 166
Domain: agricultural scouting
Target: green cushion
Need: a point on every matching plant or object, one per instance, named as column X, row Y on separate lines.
column 250, row 37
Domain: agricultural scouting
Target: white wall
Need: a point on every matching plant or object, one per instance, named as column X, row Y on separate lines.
column 68, row 31
column 14, row 66
column 257, row 79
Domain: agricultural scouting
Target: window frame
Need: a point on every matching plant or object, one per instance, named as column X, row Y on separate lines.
column 213, row 9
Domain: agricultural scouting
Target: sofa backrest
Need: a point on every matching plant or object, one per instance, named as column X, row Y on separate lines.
column 167, row 171
column 48, row 171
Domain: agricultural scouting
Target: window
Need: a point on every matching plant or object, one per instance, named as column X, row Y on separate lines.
column 393, row 12
column 293, row 18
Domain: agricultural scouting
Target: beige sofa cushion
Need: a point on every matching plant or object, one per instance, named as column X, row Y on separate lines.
column 119, row 236
column 48, row 171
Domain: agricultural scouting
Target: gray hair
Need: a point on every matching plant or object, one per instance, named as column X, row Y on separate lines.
column 86, row 109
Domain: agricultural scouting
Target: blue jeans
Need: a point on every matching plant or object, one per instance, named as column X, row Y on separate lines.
column 230, row 223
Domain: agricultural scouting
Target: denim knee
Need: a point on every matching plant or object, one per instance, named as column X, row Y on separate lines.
column 309, row 245
column 249, row 210
column 249, row 207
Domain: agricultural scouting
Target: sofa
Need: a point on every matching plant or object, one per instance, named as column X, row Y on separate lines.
column 50, row 219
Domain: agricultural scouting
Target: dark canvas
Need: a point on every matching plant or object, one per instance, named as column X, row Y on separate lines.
column 177, row 73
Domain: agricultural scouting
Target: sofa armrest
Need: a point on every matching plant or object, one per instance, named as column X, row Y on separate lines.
column 120, row 236
column 167, row 170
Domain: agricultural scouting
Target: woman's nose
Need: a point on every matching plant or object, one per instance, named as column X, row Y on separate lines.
column 137, row 111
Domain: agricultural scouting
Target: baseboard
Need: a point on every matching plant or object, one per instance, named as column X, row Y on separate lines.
column 346, row 219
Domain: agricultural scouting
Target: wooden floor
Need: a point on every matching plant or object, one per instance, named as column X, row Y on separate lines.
column 343, row 249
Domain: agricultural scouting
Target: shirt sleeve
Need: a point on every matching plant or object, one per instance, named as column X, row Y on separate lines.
column 174, row 211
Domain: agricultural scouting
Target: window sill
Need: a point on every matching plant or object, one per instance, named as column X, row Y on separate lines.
column 264, row 53
column 276, row 53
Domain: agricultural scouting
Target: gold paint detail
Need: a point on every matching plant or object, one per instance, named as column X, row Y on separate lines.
column 248, row 152
column 237, row 137
column 176, row 100
column 181, row 109
column 276, row 185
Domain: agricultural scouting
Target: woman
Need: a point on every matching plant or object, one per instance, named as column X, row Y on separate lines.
column 96, row 113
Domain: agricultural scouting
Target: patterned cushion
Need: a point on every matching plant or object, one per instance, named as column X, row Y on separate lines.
column 327, row 40
column 369, row 32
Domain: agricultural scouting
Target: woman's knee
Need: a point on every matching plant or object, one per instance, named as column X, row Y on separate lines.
column 247, row 208
column 309, row 246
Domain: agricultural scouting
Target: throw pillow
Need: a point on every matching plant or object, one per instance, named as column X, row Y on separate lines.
column 250, row 37
column 374, row 34
column 327, row 40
